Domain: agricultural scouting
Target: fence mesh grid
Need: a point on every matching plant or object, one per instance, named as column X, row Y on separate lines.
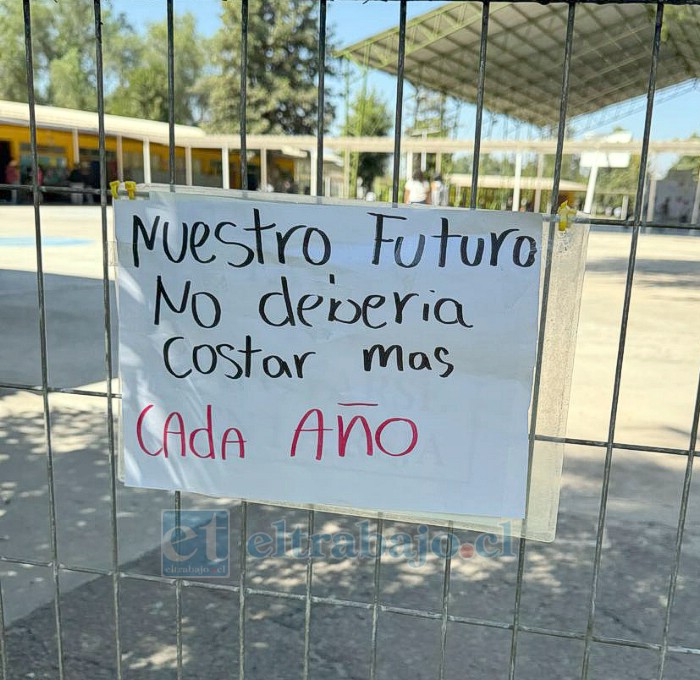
column 375, row 605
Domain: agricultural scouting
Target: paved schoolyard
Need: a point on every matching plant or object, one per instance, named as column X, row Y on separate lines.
column 658, row 388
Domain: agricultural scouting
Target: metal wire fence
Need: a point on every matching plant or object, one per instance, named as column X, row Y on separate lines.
column 375, row 605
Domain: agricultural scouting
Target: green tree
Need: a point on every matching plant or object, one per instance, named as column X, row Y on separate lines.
column 282, row 68
column 72, row 81
column 686, row 163
column 431, row 118
column 142, row 90
column 619, row 180
column 63, row 49
column 13, row 72
column 369, row 116
column 430, row 113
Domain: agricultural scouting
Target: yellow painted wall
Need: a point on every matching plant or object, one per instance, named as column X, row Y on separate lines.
column 17, row 135
column 56, row 151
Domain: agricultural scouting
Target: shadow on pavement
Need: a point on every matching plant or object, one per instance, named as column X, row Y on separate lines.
column 676, row 273
column 637, row 551
column 636, row 560
column 74, row 329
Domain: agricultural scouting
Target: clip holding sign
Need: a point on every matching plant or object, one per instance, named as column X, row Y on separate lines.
column 564, row 213
column 129, row 186
column 130, row 189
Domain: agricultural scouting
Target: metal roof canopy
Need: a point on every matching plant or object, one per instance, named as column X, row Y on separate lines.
column 610, row 64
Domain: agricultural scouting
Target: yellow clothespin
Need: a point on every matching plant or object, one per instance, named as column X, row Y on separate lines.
column 130, row 189
column 565, row 212
column 114, row 186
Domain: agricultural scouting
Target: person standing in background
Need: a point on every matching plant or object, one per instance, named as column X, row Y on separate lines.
column 76, row 180
column 416, row 190
column 39, row 180
column 438, row 191
column 12, row 177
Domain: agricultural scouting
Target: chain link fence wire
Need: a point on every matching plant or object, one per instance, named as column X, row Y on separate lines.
column 375, row 606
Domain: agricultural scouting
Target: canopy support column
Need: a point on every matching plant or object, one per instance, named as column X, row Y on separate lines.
column 225, row 179
column 538, row 186
column 590, row 192
column 188, row 166
column 146, row 161
column 76, row 146
column 120, row 159
column 313, row 156
column 516, row 183
column 263, row 169
column 696, row 204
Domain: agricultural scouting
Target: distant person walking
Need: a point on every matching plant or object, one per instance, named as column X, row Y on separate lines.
column 438, row 191
column 12, row 177
column 76, row 180
column 416, row 190
column 39, row 179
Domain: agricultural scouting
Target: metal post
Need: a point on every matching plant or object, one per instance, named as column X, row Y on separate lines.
column 546, row 282
column 680, row 531
column 398, row 120
column 622, row 341
column 107, row 319
column 43, row 346
column 479, row 103
column 244, row 97
column 320, row 125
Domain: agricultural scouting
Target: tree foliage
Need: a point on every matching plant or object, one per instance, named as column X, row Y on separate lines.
column 142, row 89
column 282, row 68
column 135, row 65
column 13, row 74
column 430, row 113
column 686, row 164
column 63, row 43
column 282, row 64
column 432, row 118
column 369, row 116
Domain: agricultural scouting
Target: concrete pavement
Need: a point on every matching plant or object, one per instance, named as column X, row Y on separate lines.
column 656, row 401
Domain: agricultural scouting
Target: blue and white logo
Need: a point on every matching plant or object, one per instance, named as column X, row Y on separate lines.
column 195, row 543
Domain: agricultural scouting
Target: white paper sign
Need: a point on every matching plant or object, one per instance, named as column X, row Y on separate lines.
column 359, row 356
